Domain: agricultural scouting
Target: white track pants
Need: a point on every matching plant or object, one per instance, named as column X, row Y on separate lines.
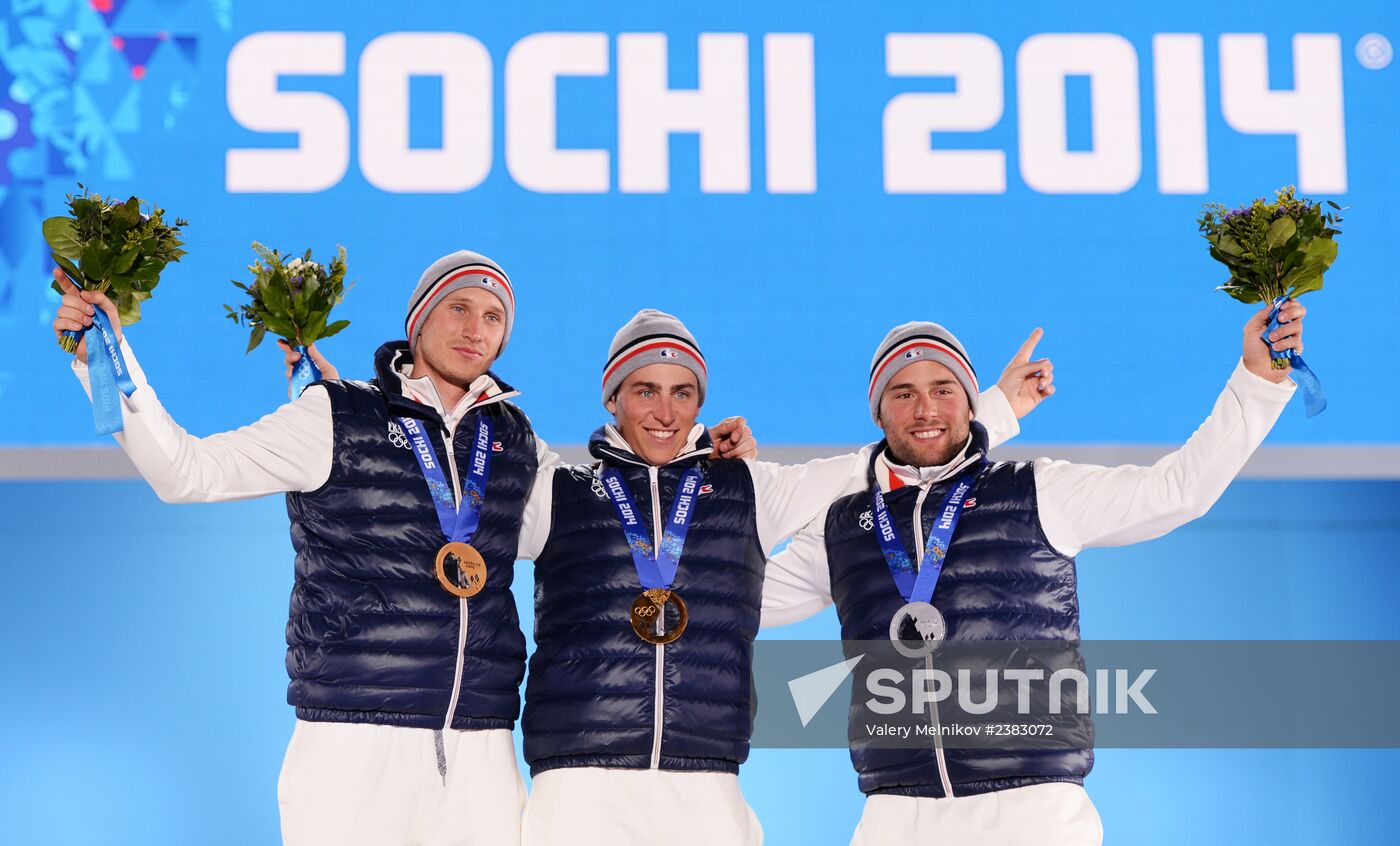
column 591, row 806
column 1056, row 814
column 347, row 784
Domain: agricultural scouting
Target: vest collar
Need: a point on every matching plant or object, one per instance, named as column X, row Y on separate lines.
column 891, row 476
column 607, row 444
column 419, row 397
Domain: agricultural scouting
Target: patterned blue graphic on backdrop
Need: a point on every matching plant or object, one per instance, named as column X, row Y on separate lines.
column 80, row 81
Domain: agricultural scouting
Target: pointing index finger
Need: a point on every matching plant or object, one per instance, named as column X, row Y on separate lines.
column 1024, row 353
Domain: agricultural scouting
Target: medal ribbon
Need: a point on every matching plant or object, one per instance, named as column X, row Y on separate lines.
column 657, row 569
column 459, row 523
column 1314, row 400
column 304, row 372
column 919, row 588
column 107, row 374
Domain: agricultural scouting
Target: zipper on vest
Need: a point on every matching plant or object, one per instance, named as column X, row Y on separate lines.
column 659, row 697
column 928, row 659
column 462, row 609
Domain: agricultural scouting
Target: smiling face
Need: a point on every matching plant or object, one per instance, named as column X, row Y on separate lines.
column 460, row 338
column 925, row 414
column 655, row 410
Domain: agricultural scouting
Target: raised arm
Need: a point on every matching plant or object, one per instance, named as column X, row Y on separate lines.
column 1084, row 505
column 288, row 450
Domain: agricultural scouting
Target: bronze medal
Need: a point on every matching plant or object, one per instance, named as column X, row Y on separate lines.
column 649, row 614
column 470, row 567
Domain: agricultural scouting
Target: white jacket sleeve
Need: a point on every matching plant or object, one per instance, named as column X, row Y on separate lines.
column 288, row 450
column 797, row 583
column 1083, row 505
column 788, row 496
column 539, row 505
column 995, row 414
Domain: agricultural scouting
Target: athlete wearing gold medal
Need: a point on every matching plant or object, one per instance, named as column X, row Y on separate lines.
column 404, row 646
column 404, row 709
column 649, row 568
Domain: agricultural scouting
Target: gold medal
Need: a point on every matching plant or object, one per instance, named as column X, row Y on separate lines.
column 649, row 614
column 470, row 568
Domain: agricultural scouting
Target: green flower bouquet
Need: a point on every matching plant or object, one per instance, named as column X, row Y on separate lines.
column 292, row 298
column 1276, row 251
column 107, row 245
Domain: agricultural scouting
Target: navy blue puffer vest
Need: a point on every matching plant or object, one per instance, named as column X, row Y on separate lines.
column 1002, row 580
column 593, row 697
column 372, row 637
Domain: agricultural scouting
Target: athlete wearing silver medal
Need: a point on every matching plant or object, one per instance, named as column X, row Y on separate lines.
column 917, row 628
column 1009, row 573
column 634, row 716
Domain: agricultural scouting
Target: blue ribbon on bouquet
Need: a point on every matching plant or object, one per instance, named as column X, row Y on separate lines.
column 108, row 373
column 1314, row 400
column 304, row 372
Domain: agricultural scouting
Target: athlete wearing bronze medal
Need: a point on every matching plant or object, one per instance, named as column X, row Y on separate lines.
column 1009, row 574
column 637, row 706
column 404, row 710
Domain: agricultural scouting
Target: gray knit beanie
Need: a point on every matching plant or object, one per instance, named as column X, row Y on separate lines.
column 914, row 342
column 462, row 269
column 651, row 337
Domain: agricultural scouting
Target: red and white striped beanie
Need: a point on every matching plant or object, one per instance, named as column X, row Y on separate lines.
column 914, row 342
column 652, row 337
column 462, row 269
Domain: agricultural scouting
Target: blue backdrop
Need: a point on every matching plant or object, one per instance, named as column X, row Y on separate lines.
column 782, row 289
column 143, row 671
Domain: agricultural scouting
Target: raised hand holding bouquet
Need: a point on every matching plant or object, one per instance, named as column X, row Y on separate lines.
column 1275, row 251
column 292, row 298
column 113, row 248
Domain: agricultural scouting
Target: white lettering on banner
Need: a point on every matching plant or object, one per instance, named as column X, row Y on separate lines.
column 1047, row 165
column 1312, row 110
column 790, row 114
column 718, row 111
column 648, row 112
column 322, row 153
column 532, row 155
column 911, row 167
column 464, row 159
column 1179, row 90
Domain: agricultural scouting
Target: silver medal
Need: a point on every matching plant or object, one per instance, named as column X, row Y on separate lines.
column 917, row 629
